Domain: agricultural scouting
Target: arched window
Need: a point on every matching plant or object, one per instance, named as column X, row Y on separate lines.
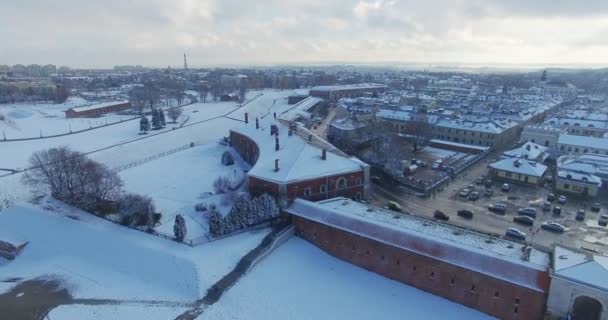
column 341, row 183
column 323, row 188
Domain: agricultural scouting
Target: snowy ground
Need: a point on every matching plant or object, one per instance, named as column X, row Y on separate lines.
column 176, row 183
column 101, row 260
column 299, row 281
column 71, row 312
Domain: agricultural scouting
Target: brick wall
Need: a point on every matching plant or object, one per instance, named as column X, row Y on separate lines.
column 487, row 294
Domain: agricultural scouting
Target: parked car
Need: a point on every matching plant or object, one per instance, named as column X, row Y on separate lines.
column 473, row 196
column 471, row 186
column 553, row 226
column 392, row 205
column 596, row 207
column 530, row 212
column 489, row 182
column 505, row 187
column 465, row 192
column 551, row 197
column 561, row 200
column 479, row 180
column 523, row 220
column 557, row 210
column 421, row 163
column 488, row 193
column 465, row 213
column 603, row 220
column 580, row 215
column 440, row 215
column 547, row 206
column 498, row 208
column 515, row 234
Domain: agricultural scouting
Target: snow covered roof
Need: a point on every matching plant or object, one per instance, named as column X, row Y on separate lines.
column 592, row 164
column 299, row 159
column 299, row 109
column 99, row 105
column 583, row 141
column 394, row 115
column 582, row 268
column 485, row 254
column 583, row 177
column 521, row 166
column 529, row 150
column 349, row 87
column 489, row 126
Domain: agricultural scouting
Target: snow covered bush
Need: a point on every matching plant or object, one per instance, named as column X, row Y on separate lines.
column 221, row 184
column 200, row 207
column 137, row 210
column 245, row 213
column 227, row 158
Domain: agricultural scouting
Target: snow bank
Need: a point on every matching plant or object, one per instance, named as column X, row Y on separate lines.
column 299, row 281
column 147, row 312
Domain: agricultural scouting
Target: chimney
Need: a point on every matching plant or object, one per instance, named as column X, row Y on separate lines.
column 257, row 123
column 310, row 138
column 528, row 147
column 246, row 117
column 276, row 165
column 276, row 143
column 275, row 115
column 290, row 133
column 324, row 154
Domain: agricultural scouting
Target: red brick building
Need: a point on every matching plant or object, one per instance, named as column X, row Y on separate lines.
column 294, row 163
column 97, row 109
column 501, row 278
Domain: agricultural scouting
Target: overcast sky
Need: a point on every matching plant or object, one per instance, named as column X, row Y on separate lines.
column 103, row 33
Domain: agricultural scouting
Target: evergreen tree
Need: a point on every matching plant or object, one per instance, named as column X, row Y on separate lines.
column 161, row 114
column 179, row 228
column 144, row 124
column 156, row 123
column 216, row 223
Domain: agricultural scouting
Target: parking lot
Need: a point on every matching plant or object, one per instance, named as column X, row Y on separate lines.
column 586, row 234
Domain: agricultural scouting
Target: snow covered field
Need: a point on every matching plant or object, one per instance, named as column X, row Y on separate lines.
column 177, row 181
column 100, row 260
column 300, row 281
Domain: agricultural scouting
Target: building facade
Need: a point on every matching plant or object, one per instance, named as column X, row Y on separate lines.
column 97, row 109
column 503, row 288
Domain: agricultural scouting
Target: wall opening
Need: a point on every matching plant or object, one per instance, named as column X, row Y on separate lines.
column 586, row 308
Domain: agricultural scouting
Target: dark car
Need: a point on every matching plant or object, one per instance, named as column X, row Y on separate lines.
column 498, row 208
column 515, row 234
column 473, row 196
column 440, row 215
column 488, row 193
column 551, row 197
column 530, row 212
column 580, row 215
column 603, row 220
column 547, row 206
column 523, row 220
column 596, row 207
column 553, row 227
column 465, row 213
column 557, row 210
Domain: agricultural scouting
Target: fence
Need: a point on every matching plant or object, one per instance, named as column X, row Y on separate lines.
column 153, row 157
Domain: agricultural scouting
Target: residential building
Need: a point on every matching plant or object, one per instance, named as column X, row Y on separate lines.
column 519, row 170
column 574, row 144
column 542, row 134
column 582, row 174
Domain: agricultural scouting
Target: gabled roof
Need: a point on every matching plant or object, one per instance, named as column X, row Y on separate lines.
column 585, row 269
column 521, row 166
column 529, row 150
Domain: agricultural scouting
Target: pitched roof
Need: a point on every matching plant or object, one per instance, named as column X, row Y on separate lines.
column 521, row 166
column 589, row 270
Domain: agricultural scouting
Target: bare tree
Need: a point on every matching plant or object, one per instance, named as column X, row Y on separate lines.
column 174, row 113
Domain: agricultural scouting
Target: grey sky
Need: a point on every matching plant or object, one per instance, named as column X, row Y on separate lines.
column 103, row 33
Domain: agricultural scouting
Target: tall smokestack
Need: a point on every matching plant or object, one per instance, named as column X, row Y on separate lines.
column 276, row 165
column 246, row 117
column 257, row 123
column 324, row 154
column 276, row 143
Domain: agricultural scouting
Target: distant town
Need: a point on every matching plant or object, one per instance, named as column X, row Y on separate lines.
column 303, row 192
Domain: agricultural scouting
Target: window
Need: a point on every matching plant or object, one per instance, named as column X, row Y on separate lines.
column 341, row 184
column 516, row 310
column 358, row 196
column 508, row 174
column 496, row 294
column 359, row 181
column 473, row 287
column 414, row 268
column 586, row 150
column 516, row 300
column 323, row 188
column 566, row 186
column 452, row 281
column 307, row 191
column 398, row 262
column 576, row 150
column 432, row 275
